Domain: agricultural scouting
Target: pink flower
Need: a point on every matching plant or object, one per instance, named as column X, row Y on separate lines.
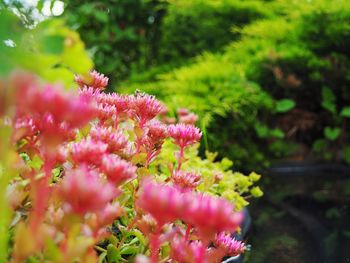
column 88, row 151
column 156, row 133
column 82, row 191
column 116, row 169
column 106, row 112
column 231, row 246
column 89, row 93
column 191, row 118
column 164, row 203
column 110, row 213
column 182, row 111
column 186, row 180
column 116, row 141
column 211, row 214
column 120, row 102
column 183, row 251
column 24, row 127
column 145, row 108
column 95, row 80
column 76, row 111
column 184, row 134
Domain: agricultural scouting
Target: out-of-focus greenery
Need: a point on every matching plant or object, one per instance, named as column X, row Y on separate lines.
column 278, row 90
column 190, row 27
column 49, row 49
column 125, row 36
column 115, row 31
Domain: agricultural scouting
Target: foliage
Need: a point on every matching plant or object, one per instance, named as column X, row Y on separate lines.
column 118, row 34
column 50, row 49
column 132, row 35
column 281, row 85
column 190, row 27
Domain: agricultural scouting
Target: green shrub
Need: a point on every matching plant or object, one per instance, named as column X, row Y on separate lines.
column 190, row 27
column 279, row 90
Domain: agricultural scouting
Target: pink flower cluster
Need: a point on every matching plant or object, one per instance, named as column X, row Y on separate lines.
column 207, row 213
column 186, row 180
column 184, row 134
column 231, row 246
column 83, row 191
column 94, row 80
column 94, row 147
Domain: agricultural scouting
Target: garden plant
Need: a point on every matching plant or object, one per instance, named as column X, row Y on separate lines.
column 91, row 176
column 84, row 183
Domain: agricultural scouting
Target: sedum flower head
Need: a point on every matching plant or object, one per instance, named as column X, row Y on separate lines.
column 231, row 246
column 145, row 107
column 186, row 180
column 164, row 203
column 120, row 102
column 105, row 112
column 115, row 140
column 88, row 151
column 116, row 169
column 82, row 191
column 187, row 252
column 184, row 134
column 95, row 80
column 211, row 214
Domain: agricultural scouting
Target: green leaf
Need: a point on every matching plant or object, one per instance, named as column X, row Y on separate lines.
column 284, row 105
column 53, row 44
column 277, row 133
column 319, row 145
column 346, row 154
column 328, row 95
column 101, row 257
column 330, row 106
column 256, row 191
column 332, row 133
column 113, row 255
column 129, row 250
column 345, row 112
column 328, row 100
column 262, row 131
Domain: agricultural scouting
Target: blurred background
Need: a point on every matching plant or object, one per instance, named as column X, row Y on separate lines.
column 269, row 79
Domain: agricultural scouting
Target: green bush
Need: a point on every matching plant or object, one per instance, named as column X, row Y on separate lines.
column 190, row 27
column 278, row 91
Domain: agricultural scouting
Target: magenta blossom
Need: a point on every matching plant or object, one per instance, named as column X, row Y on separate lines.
column 231, row 246
column 82, row 191
column 88, row 151
column 115, row 140
column 184, row 134
column 120, row 102
column 95, row 80
column 211, row 214
column 116, row 169
column 105, row 112
column 186, row 180
column 76, row 111
column 164, row 203
column 144, row 108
